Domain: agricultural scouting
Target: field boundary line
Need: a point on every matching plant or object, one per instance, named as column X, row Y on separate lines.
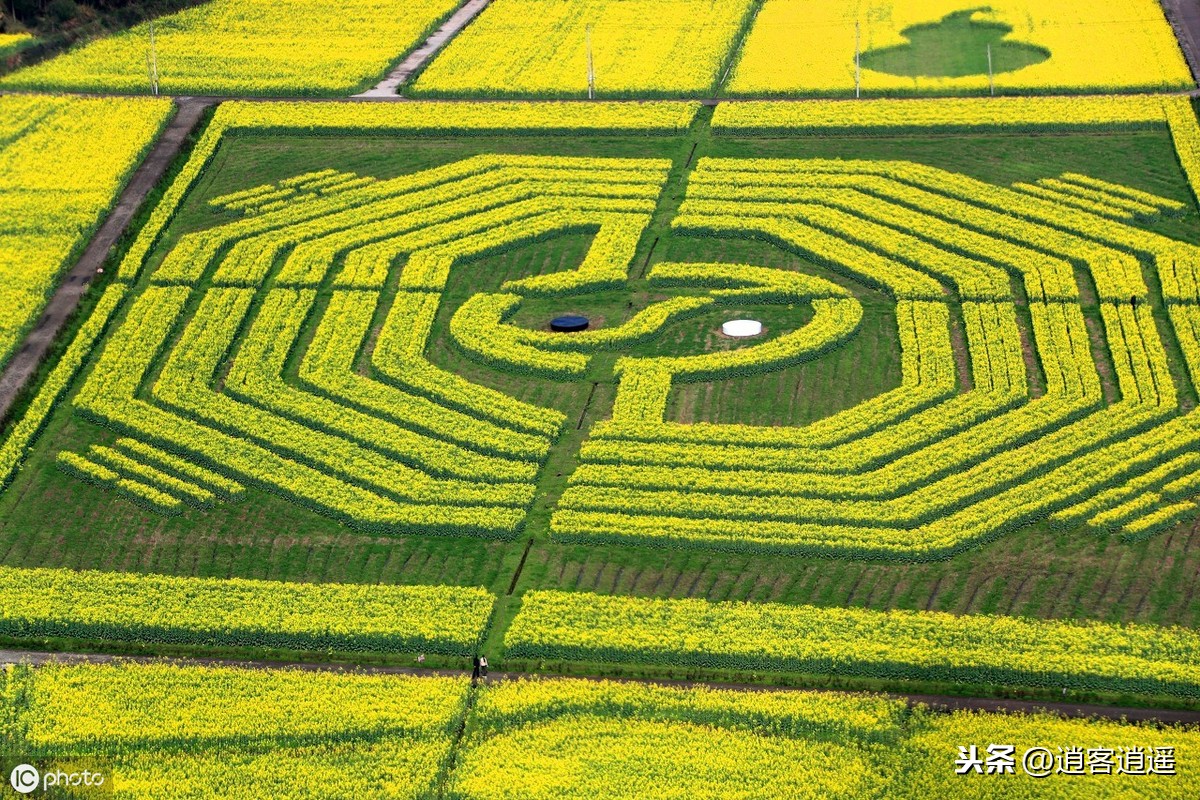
column 1067, row 710
column 739, row 44
column 365, row 97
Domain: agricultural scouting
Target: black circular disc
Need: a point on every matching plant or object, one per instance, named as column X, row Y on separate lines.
column 569, row 323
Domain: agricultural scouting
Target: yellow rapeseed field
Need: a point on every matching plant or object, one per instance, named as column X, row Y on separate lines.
column 976, row 648
column 11, row 41
column 62, row 161
column 247, row 47
column 1121, row 112
column 562, row 739
column 539, row 47
column 807, row 47
column 161, row 730
column 170, row 731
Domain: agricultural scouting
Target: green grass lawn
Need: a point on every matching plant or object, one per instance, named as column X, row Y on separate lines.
column 49, row 519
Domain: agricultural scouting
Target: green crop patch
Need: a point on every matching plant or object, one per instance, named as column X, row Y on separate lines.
column 953, row 47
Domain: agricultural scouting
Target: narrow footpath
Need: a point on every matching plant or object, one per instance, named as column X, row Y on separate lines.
column 389, row 86
column 1184, row 16
column 71, row 288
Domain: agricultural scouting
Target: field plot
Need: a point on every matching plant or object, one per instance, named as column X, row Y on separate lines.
column 974, row 649
column 576, row 739
column 117, row 607
column 790, row 398
column 539, row 48
column 232, row 47
column 62, row 163
column 164, row 731
column 925, row 470
column 326, row 359
column 161, row 730
column 807, row 47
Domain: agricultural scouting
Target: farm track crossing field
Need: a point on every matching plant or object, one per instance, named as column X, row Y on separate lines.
column 234, row 47
column 639, row 48
column 62, row 163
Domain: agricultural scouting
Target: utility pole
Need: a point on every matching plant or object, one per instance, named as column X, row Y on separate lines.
column 153, row 56
column 591, row 72
column 857, row 58
column 991, row 80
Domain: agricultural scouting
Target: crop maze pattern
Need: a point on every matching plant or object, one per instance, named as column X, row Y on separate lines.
column 419, row 449
column 231, row 367
column 923, row 471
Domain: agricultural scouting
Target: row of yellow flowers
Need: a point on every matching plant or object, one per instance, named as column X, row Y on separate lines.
column 855, row 641
column 965, row 113
column 111, row 606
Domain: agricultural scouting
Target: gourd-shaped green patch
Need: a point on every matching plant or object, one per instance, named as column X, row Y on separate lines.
column 953, row 47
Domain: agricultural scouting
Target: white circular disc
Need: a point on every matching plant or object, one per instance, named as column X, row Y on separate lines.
column 742, row 328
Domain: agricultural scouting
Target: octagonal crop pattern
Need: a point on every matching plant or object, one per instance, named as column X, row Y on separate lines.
column 214, row 384
column 924, row 471
column 416, row 448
